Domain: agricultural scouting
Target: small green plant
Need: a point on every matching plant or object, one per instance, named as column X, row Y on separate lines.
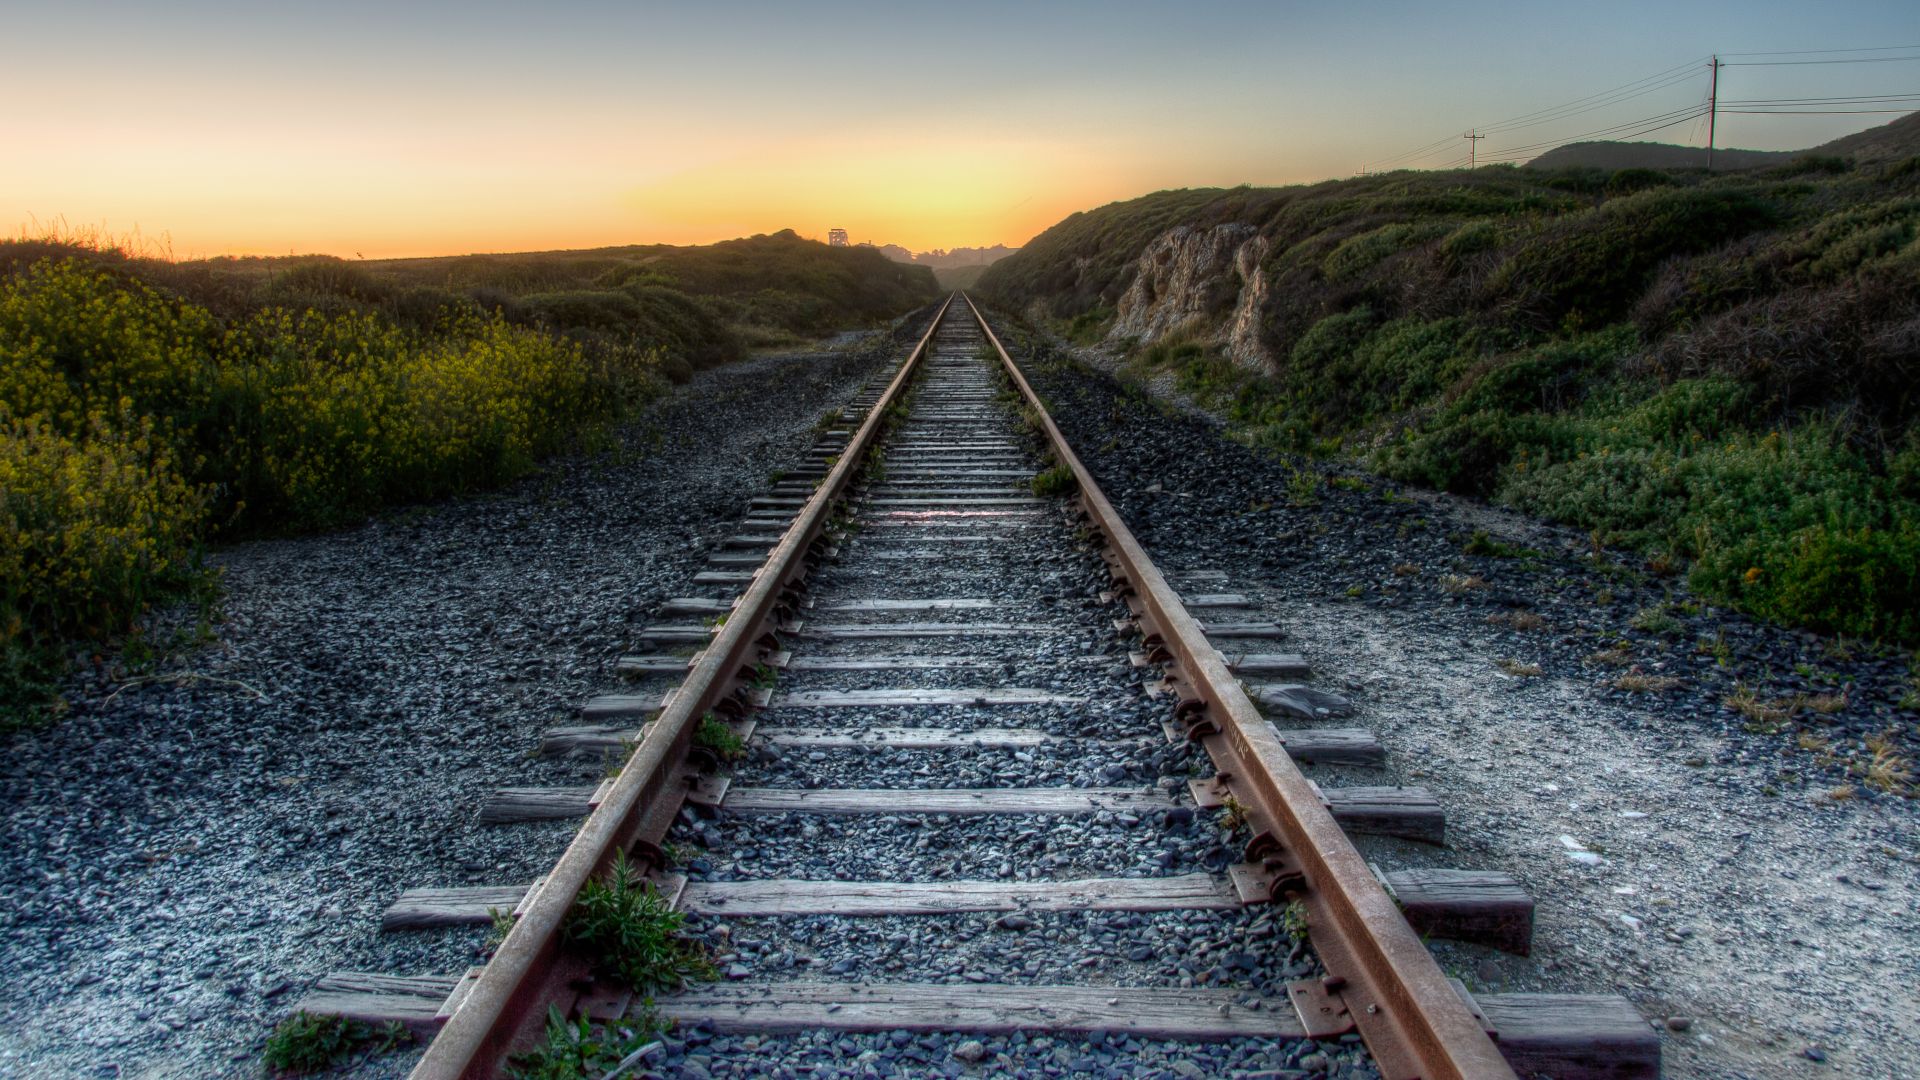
column 1303, row 487
column 1718, row 648
column 1293, row 921
column 581, row 1048
column 765, row 676
column 306, row 1042
column 498, row 929
column 1655, row 620
column 1480, row 543
column 623, row 923
column 1349, row 483
column 1233, row 815
column 714, row 734
column 1053, row 482
column 1355, row 592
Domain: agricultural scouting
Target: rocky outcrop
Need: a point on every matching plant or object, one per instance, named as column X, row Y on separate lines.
column 1189, row 278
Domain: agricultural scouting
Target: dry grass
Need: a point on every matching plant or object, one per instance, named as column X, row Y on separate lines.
column 1518, row 620
column 1618, row 656
column 1455, row 584
column 1841, row 793
column 1519, row 669
column 1770, row 715
column 1888, row 769
column 1761, row 715
column 1635, row 682
column 1824, row 704
column 1405, row 569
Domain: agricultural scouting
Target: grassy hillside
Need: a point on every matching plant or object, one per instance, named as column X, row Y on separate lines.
column 1721, row 371
column 1655, row 155
column 148, row 407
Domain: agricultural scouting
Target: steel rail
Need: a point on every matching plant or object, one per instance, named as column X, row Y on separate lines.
column 504, row 1011
column 1378, row 970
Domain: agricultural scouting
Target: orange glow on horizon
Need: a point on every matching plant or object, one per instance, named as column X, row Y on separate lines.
column 336, row 198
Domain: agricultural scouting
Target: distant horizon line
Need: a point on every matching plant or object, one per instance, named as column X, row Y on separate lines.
column 137, row 244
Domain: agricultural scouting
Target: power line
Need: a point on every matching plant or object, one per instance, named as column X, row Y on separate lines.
column 1815, row 112
column 1828, row 100
column 1628, row 91
column 1566, row 112
column 1818, row 52
column 1797, row 63
column 1689, row 66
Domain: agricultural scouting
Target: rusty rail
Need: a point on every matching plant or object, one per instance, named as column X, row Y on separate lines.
column 1381, row 979
column 505, row 1009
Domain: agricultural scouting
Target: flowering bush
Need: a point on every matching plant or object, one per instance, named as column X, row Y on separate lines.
column 131, row 421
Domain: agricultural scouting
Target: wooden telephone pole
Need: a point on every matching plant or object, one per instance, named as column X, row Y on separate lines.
column 1473, row 145
column 1713, row 107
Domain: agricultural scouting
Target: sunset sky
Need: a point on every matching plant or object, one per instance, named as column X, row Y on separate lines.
column 431, row 128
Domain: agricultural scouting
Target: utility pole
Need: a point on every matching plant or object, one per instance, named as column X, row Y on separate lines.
column 1473, row 145
column 1713, row 107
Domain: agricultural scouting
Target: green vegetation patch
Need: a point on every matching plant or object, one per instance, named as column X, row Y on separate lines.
column 580, row 1048
column 1054, row 482
column 308, row 1043
column 715, row 735
column 633, row 935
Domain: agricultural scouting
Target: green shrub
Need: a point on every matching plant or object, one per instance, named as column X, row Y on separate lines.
column 1861, row 582
column 633, row 935
column 92, row 531
column 1360, row 253
column 1586, row 270
column 1628, row 181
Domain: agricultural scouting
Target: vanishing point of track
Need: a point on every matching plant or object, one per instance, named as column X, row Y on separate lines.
column 931, row 467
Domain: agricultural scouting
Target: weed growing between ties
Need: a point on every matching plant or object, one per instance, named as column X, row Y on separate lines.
column 1054, row 482
column 1293, row 921
column 580, row 1048
column 624, row 923
column 715, row 735
column 306, row 1043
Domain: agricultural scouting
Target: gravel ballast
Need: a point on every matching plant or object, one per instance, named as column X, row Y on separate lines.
column 186, row 854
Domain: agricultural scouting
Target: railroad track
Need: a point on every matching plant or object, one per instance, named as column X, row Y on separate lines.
column 982, row 709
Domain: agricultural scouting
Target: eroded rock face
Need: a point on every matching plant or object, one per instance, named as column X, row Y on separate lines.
column 1184, row 279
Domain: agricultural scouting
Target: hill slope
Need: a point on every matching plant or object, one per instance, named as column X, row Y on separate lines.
column 1899, row 139
column 1722, row 371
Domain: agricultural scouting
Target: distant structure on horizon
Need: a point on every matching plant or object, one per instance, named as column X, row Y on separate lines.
column 836, row 238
